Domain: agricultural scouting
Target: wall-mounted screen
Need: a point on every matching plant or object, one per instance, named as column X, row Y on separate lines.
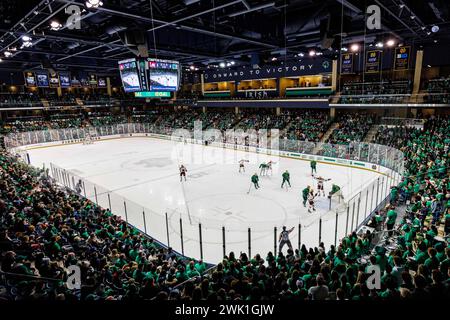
column 129, row 75
column 163, row 75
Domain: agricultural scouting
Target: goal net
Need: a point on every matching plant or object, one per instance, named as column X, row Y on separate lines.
column 88, row 139
column 89, row 136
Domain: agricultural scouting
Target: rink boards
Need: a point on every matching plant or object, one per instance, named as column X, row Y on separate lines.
column 261, row 211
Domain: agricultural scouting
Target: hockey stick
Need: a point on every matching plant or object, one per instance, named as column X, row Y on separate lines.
column 249, row 188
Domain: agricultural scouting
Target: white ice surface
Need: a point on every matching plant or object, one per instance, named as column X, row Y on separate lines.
column 144, row 171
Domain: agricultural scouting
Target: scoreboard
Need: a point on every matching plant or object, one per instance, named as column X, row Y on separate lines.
column 149, row 74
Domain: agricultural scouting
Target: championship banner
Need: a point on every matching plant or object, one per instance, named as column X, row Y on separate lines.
column 75, row 82
column 93, row 80
column 30, row 79
column 347, row 63
column 401, row 59
column 101, row 82
column 84, row 79
column 42, row 78
column 64, row 79
column 373, row 61
column 54, row 80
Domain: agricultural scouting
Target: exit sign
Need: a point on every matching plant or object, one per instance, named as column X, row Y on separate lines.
column 152, row 94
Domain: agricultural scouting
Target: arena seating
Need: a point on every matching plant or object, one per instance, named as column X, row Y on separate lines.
column 45, row 229
column 376, row 92
column 351, row 127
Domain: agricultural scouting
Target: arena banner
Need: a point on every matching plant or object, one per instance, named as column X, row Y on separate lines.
column 42, row 78
column 30, row 79
column 54, row 80
column 299, row 68
column 64, row 79
column 347, row 63
column 401, row 59
column 93, row 80
column 373, row 61
column 101, row 82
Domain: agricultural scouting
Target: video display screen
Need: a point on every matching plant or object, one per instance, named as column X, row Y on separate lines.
column 129, row 75
column 163, row 75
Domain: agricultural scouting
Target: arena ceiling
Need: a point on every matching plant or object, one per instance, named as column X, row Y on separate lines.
column 203, row 32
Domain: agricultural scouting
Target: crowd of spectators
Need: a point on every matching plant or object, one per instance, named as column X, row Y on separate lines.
column 438, row 90
column 385, row 91
column 45, row 229
column 351, row 127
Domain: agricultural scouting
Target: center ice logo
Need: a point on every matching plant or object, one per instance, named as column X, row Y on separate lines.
column 154, row 162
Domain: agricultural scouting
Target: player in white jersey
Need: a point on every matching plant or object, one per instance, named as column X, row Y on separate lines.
column 183, row 171
column 320, row 182
column 269, row 166
column 311, row 197
column 241, row 165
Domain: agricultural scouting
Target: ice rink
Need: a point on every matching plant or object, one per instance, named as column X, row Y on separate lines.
column 144, row 171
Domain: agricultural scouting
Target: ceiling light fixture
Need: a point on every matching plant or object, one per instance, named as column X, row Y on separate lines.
column 55, row 25
column 93, row 4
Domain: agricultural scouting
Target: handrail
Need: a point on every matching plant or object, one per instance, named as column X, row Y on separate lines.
column 21, row 275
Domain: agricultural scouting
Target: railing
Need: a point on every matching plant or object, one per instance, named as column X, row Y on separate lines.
column 208, row 238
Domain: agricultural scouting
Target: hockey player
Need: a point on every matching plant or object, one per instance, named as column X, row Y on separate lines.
column 269, row 166
column 263, row 167
column 305, row 193
column 255, row 180
column 313, row 165
column 311, row 197
column 241, row 165
column 183, row 171
column 320, row 182
column 286, row 177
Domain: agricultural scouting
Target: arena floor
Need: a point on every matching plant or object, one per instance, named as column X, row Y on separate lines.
column 144, row 171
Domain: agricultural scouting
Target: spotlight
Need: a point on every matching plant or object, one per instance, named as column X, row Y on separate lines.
column 274, row 59
column 26, row 44
column 192, row 67
column 379, row 44
column 232, row 63
column 354, row 47
column 55, row 25
column 390, row 43
column 222, row 64
column 312, row 53
column 435, row 29
column 93, row 4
